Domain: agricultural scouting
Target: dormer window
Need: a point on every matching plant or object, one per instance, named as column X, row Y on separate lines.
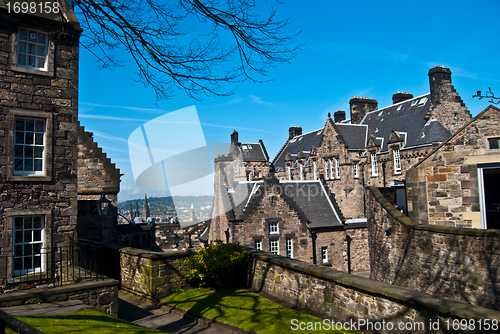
column 273, row 227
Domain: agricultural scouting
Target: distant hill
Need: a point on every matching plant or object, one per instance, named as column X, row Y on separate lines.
column 165, row 205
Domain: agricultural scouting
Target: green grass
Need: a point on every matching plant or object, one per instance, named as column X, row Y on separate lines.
column 244, row 309
column 84, row 322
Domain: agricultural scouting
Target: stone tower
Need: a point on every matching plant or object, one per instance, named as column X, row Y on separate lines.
column 145, row 210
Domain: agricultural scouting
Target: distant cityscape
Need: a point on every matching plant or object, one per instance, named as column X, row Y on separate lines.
column 163, row 208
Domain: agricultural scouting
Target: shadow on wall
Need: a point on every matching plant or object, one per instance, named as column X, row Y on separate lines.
column 458, row 263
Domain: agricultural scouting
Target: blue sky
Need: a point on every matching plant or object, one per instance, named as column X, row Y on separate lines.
column 361, row 48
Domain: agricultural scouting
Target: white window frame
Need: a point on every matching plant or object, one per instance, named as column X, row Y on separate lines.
column 289, row 247
column 258, row 244
column 273, row 227
column 337, row 168
column 47, row 69
column 32, row 141
column 495, row 140
column 301, row 171
column 355, row 170
column 26, row 252
column 289, row 172
column 373, row 157
column 332, row 177
column 324, row 254
column 315, row 170
column 46, row 173
column 326, row 170
column 274, row 246
column 397, row 161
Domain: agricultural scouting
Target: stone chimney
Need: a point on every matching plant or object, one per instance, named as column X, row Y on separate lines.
column 401, row 96
column 234, row 137
column 447, row 106
column 360, row 106
column 339, row 116
column 294, row 131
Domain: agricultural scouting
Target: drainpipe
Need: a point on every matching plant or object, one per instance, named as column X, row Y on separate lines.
column 383, row 171
column 364, row 190
column 348, row 239
column 313, row 238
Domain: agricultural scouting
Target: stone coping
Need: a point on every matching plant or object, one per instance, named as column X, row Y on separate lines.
column 50, row 291
column 446, row 307
column 147, row 254
column 409, row 223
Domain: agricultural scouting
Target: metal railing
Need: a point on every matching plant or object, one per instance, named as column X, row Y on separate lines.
column 26, row 267
column 6, row 320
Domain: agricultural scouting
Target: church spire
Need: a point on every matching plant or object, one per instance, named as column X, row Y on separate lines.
column 145, row 210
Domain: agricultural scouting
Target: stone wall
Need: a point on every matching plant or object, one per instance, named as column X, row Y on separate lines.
column 443, row 189
column 153, row 275
column 102, row 295
column 458, row 263
column 338, row 296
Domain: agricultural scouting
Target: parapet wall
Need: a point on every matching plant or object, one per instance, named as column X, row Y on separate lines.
column 343, row 297
column 153, row 275
column 458, row 263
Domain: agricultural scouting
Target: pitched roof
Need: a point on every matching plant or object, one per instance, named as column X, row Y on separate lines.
column 354, row 135
column 407, row 118
column 302, row 143
column 309, row 199
column 253, row 152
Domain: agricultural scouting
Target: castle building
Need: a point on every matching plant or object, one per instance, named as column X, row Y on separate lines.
column 376, row 146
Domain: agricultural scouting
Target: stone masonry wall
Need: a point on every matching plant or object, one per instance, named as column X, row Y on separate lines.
column 346, row 298
column 54, row 98
column 153, row 275
column 443, row 189
column 458, row 263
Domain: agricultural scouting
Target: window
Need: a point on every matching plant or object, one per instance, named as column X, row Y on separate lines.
column 494, row 143
column 324, row 254
column 337, row 168
column 32, row 49
column 273, row 227
column 289, row 172
column 374, row 165
column 331, row 170
column 274, row 246
column 397, row 161
column 29, row 148
column 289, row 248
column 29, row 142
column 301, row 171
column 28, row 244
column 258, row 244
column 355, row 170
column 315, row 170
column 326, row 170
column 32, row 52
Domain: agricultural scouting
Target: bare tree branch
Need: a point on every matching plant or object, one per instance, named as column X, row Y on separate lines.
column 489, row 95
column 194, row 45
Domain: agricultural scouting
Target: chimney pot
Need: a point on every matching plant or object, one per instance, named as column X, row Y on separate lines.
column 360, row 106
column 401, row 96
column 234, row 137
column 339, row 116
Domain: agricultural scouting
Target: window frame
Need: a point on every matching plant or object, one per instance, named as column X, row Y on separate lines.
column 315, row 170
column 397, row 161
column 258, row 244
column 324, row 254
column 46, row 174
column 274, row 246
column 10, row 216
column 337, row 168
column 289, row 247
column 489, row 140
column 355, row 170
column 273, row 230
column 48, row 70
column 327, row 172
column 373, row 160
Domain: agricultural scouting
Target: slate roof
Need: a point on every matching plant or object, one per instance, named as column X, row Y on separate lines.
column 355, row 135
column 408, row 118
column 310, row 199
column 303, row 142
column 253, row 152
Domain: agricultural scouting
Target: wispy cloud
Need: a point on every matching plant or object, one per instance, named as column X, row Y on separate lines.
column 258, row 100
column 234, row 127
column 148, row 110
column 113, row 118
column 112, row 138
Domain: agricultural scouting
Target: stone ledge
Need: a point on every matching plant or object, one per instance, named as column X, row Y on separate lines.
column 35, row 293
column 447, row 307
column 156, row 255
column 408, row 223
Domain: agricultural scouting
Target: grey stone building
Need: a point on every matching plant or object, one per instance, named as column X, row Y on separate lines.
column 50, row 168
column 458, row 183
